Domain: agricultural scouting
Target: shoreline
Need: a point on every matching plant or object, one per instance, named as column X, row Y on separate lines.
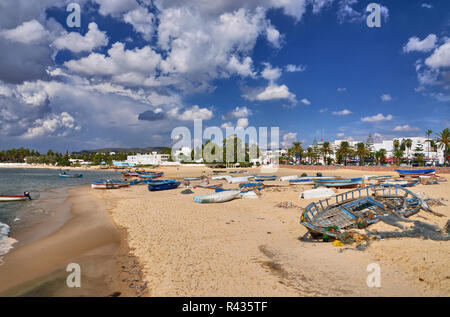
column 85, row 234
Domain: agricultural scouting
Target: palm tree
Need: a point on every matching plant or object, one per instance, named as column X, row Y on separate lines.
column 310, row 154
column 380, row 155
column 428, row 133
column 396, row 144
column 344, row 151
column 325, row 150
column 408, row 144
column 443, row 142
column 297, row 150
column 362, row 152
column 398, row 154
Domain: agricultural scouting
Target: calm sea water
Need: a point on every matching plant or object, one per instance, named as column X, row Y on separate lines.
column 46, row 189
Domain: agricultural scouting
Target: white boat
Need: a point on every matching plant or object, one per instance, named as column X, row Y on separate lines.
column 236, row 180
column 288, row 178
column 105, row 186
column 219, row 197
column 9, row 198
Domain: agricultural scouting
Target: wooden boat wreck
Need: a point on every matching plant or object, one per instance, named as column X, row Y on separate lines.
column 358, row 209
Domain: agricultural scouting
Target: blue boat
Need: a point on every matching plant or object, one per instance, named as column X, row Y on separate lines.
column 65, row 175
column 265, row 178
column 339, row 183
column 150, row 175
column 163, row 184
column 400, row 183
column 415, row 173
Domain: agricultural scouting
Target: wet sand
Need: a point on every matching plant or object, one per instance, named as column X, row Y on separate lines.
column 80, row 231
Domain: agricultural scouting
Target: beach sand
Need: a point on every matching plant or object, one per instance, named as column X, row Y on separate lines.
column 80, row 231
column 250, row 247
column 141, row 243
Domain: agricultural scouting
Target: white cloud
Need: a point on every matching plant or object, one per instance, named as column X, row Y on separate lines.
column 60, row 124
column 273, row 36
column 288, row 138
column 142, row 21
column 377, row 118
column 416, row 45
column 242, row 123
column 244, row 68
column 226, row 125
column 270, row 73
column 341, row 89
column 274, row 92
column 386, row 97
column 340, row 135
column 77, row 43
column 305, row 101
column 427, row 6
column 405, row 128
column 295, row 68
column 115, row 7
column 323, row 110
column 440, row 57
column 196, row 113
column 238, row 112
column 30, row 32
column 344, row 112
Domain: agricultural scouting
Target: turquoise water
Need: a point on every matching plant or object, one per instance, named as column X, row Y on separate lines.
column 46, row 189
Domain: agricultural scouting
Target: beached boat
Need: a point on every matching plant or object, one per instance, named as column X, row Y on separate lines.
column 65, row 175
column 358, row 209
column 415, row 173
column 163, row 184
column 192, row 178
column 309, row 180
column 236, row 180
column 10, row 198
column 104, row 185
column 218, row 197
column 208, row 186
column 288, row 178
column 150, row 175
column 401, row 183
column 339, row 183
column 265, row 178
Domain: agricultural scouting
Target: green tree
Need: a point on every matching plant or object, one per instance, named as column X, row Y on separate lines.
column 443, row 142
column 380, row 156
column 362, row 152
column 398, row 155
column 326, row 150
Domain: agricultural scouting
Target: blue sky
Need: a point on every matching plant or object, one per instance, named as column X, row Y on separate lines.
column 136, row 69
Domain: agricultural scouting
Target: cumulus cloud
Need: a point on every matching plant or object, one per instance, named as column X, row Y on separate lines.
column 344, row 112
column 341, row 89
column 115, row 7
column 416, row 45
column 77, row 43
column 271, row 73
column 289, row 138
column 405, row 128
column 151, row 115
column 30, row 32
column 427, row 6
column 142, row 21
column 238, row 112
column 276, row 92
column 195, row 113
column 56, row 124
column 305, row 101
column 377, row 118
column 440, row 57
column 242, row 123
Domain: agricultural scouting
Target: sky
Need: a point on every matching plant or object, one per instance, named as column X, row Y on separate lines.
column 136, row 69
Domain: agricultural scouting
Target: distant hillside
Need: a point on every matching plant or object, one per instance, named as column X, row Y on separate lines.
column 125, row 150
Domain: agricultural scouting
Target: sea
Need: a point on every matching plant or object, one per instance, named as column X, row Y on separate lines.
column 46, row 189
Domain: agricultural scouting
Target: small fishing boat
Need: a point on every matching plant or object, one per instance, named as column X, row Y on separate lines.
column 207, row 186
column 288, row 178
column 235, row 180
column 10, row 198
column 65, row 175
column 192, row 178
column 163, row 184
column 265, row 178
column 150, row 175
column 401, row 183
column 104, row 185
column 358, row 209
column 339, row 183
column 247, row 187
column 309, row 180
column 218, row 197
column 415, row 173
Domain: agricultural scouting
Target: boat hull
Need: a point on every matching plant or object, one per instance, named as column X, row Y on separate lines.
column 156, row 186
column 341, row 183
column 415, row 173
column 218, row 197
column 105, row 186
column 70, row 176
column 9, row 198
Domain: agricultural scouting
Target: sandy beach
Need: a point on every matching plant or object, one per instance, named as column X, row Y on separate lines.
column 133, row 242
column 250, row 247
